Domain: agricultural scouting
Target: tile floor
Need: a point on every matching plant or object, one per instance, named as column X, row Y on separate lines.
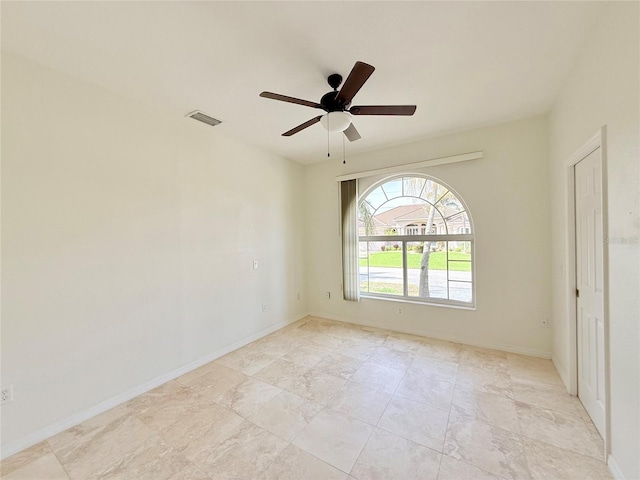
column 328, row 400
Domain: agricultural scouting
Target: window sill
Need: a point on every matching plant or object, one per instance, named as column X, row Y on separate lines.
column 417, row 302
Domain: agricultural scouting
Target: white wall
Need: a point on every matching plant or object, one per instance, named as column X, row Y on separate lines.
column 128, row 236
column 603, row 90
column 507, row 193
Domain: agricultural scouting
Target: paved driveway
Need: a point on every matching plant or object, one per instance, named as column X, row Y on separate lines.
column 437, row 281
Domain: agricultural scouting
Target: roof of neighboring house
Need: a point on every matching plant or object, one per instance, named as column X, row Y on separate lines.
column 402, row 214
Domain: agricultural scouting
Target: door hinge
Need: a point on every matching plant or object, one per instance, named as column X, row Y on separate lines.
column 577, row 293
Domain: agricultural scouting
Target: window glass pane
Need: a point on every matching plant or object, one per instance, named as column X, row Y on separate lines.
column 413, row 186
column 381, row 268
column 366, row 222
column 394, row 216
column 429, row 282
column 376, row 197
column 449, row 205
column 432, row 191
column 363, row 260
column 458, row 224
column 460, row 271
column 460, row 291
column 415, row 206
column 393, row 188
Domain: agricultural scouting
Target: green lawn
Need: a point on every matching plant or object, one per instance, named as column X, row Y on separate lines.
column 437, row 260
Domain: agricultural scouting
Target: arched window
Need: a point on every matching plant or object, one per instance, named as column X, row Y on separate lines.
column 415, row 242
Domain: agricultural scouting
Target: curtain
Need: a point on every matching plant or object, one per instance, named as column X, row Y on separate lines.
column 349, row 208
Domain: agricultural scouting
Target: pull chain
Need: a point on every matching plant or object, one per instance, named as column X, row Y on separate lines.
column 328, row 153
column 344, row 160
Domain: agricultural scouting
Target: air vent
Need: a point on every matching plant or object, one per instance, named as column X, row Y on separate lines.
column 204, row 118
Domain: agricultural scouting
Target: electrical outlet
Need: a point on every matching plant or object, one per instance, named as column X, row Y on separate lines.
column 255, row 264
column 544, row 322
column 264, row 307
column 298, row 296
column 7, row 394
column 400, row 311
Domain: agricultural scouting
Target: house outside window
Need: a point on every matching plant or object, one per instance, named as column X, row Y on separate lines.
column 400, row 258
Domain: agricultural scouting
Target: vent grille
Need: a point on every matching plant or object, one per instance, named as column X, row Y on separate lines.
column 204, row 118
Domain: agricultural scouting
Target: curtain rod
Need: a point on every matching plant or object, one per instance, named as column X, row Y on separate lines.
column 426, row 163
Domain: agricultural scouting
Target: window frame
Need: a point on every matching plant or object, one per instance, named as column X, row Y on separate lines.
column 405, row 239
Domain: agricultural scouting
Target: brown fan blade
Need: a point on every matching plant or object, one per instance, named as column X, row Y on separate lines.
column 302, row 126
column 383, row 110
column 352, row 134
column 360, row 73
column 284, row 98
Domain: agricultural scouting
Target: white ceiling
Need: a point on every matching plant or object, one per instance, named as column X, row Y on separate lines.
column 464, row 64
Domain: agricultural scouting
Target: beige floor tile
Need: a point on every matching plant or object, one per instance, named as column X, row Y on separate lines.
column 344, row 330
column 216, row 380
column 296, row 464
column 326, row 342
column 195, row 373
column 421, row 423
column 489, row 448
column 334, row 438
column 484, row 380
column 549, row 375
column 390, row 357
column 387, row 456
column 559, row 429
column 305, row 355
column 358, row 348
column 83, row 455
column 93, row 426
column 434, row 368
column 493, row 409
column 452, row 469
column 45, row 467
column 26, row 456
column 275, row 346
column 285, row 415
column 281, row 373
column 360, row 401
column 164, row 405
column 317, row 386
column 440, row 350
column 339, row 365
column 379, row 376
column 516, row 360
column 247, row 453
column 248, row 396
column 426, row 389
column 483, row 358
column 207, row 424
column 547, row 462
column 532, row 369
column 193, row 428
column 543, row 395
column 153, row 460
column 246, row 360
column 403, row 342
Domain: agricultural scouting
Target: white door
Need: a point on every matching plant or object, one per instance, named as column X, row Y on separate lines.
column 589, row 281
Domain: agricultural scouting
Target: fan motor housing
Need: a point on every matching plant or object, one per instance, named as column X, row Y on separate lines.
column 330, row 102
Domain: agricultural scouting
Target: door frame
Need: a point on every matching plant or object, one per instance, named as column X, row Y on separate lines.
column 597, row 140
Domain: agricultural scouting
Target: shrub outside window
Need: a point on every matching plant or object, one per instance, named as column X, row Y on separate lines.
column 415, row 242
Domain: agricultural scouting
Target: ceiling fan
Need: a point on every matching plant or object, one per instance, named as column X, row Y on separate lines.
column 337, row 104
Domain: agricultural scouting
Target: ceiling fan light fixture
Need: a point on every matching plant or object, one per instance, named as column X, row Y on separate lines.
column 336, row 121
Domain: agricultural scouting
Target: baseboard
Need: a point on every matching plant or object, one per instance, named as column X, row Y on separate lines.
column 102, row 407
column 440, row 336
column 614, row 468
